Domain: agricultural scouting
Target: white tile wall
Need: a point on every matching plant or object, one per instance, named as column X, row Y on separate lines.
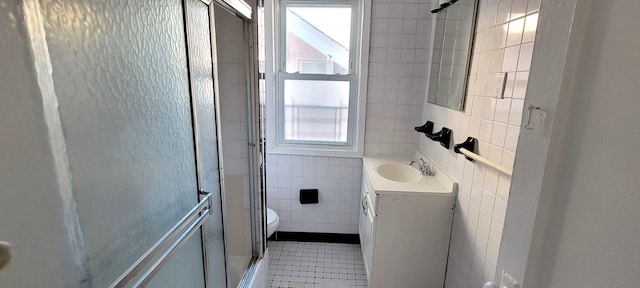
column 338, row 181
column 503, row 43
column 399, row 52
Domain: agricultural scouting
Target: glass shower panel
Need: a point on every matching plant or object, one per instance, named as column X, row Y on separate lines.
column 232, row 71
column 121, row 77
column 207, row 105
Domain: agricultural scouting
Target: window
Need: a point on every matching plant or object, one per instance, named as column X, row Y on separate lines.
column 318, row 94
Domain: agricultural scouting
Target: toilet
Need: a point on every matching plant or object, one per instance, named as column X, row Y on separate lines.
column 272, row 222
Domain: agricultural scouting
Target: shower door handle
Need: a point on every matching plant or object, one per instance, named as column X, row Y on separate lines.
column 170, row 241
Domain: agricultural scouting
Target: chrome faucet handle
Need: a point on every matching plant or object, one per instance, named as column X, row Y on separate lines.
column 425, row 168
column 412, row 162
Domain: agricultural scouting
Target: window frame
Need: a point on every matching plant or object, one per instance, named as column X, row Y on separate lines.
column 356, row 77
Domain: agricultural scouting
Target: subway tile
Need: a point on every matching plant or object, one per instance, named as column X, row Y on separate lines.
column 499, row 211
column 488, row 107
column 504, row 11
column 511, row 138
column 474, row 213
column 488, row 200
column 380, row 10
column 504, row 184
column 500, row 36
column 503, row 108
column 411, row 11
column 379, row 41
column 490, row 14
column 508, row 159
column 485, row 130
column 510, row 60
column 498, row 134
column 379, row 26
column 530, row 26
column 524, row 60
column 518, row 8
column 410, row 26
column 395, row 25
column 520, row 84
column 534, row 5
column 495, row 236
column 479, row 173
column 495, row 153
column 514, row 36
column 487, row 40
column 396, row 11
column 515, row 117
column 491, row 181
column 484, row 223
column 394, row 41
column 480, row 249
column 495, row 65
column 476, row 194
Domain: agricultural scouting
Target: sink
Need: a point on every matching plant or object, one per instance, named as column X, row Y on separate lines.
column 398, row 172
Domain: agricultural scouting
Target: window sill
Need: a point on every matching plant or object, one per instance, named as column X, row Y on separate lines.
column 348, row 152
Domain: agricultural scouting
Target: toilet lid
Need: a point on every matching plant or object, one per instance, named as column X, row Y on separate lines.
column 271, row 215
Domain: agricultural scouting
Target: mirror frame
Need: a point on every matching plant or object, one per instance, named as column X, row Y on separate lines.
column 465, row 83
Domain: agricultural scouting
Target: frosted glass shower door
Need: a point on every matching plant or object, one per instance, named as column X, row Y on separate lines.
column 134, row 81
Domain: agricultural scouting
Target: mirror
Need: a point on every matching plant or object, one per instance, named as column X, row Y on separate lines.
column 451, row 53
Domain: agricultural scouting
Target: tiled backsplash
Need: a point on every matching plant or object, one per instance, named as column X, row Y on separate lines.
column 503, row 43
column 397, row 71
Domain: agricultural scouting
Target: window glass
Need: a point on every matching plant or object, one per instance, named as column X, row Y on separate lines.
column 316, row 110
column 318, row 39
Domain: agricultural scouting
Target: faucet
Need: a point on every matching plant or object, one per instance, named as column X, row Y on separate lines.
column 423, row 167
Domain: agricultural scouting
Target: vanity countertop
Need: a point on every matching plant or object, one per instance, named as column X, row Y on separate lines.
column 439, row 184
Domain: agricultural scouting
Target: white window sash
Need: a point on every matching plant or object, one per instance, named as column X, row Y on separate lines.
column 357, row 76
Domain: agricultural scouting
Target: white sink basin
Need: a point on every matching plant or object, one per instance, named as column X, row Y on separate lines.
column 398, row 172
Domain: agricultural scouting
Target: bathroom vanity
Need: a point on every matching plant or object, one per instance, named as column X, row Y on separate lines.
column 405, row 223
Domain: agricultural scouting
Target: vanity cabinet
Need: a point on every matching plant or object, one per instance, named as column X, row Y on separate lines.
column 405, row 229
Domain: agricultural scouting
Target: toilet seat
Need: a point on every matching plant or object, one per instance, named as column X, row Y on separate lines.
column 273, row 220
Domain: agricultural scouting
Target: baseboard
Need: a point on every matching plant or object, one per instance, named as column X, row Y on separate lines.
column 316, row 237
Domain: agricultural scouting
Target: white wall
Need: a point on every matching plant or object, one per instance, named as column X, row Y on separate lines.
column 587, row 223
column 400, row 33
column 503, row 42
column 34, row 208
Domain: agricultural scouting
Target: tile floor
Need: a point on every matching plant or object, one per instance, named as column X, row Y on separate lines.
column 313, row 265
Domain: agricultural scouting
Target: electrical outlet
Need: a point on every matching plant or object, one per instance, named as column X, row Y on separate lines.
column 507, row 281
column 501, row 81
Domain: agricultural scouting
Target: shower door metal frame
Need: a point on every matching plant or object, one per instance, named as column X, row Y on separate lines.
column 218, row 132
column 247, row 14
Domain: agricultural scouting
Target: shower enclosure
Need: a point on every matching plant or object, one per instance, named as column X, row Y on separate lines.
column 132, row 105
column 240, row 118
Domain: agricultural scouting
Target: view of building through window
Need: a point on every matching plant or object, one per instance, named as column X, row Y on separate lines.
column 317, row 108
